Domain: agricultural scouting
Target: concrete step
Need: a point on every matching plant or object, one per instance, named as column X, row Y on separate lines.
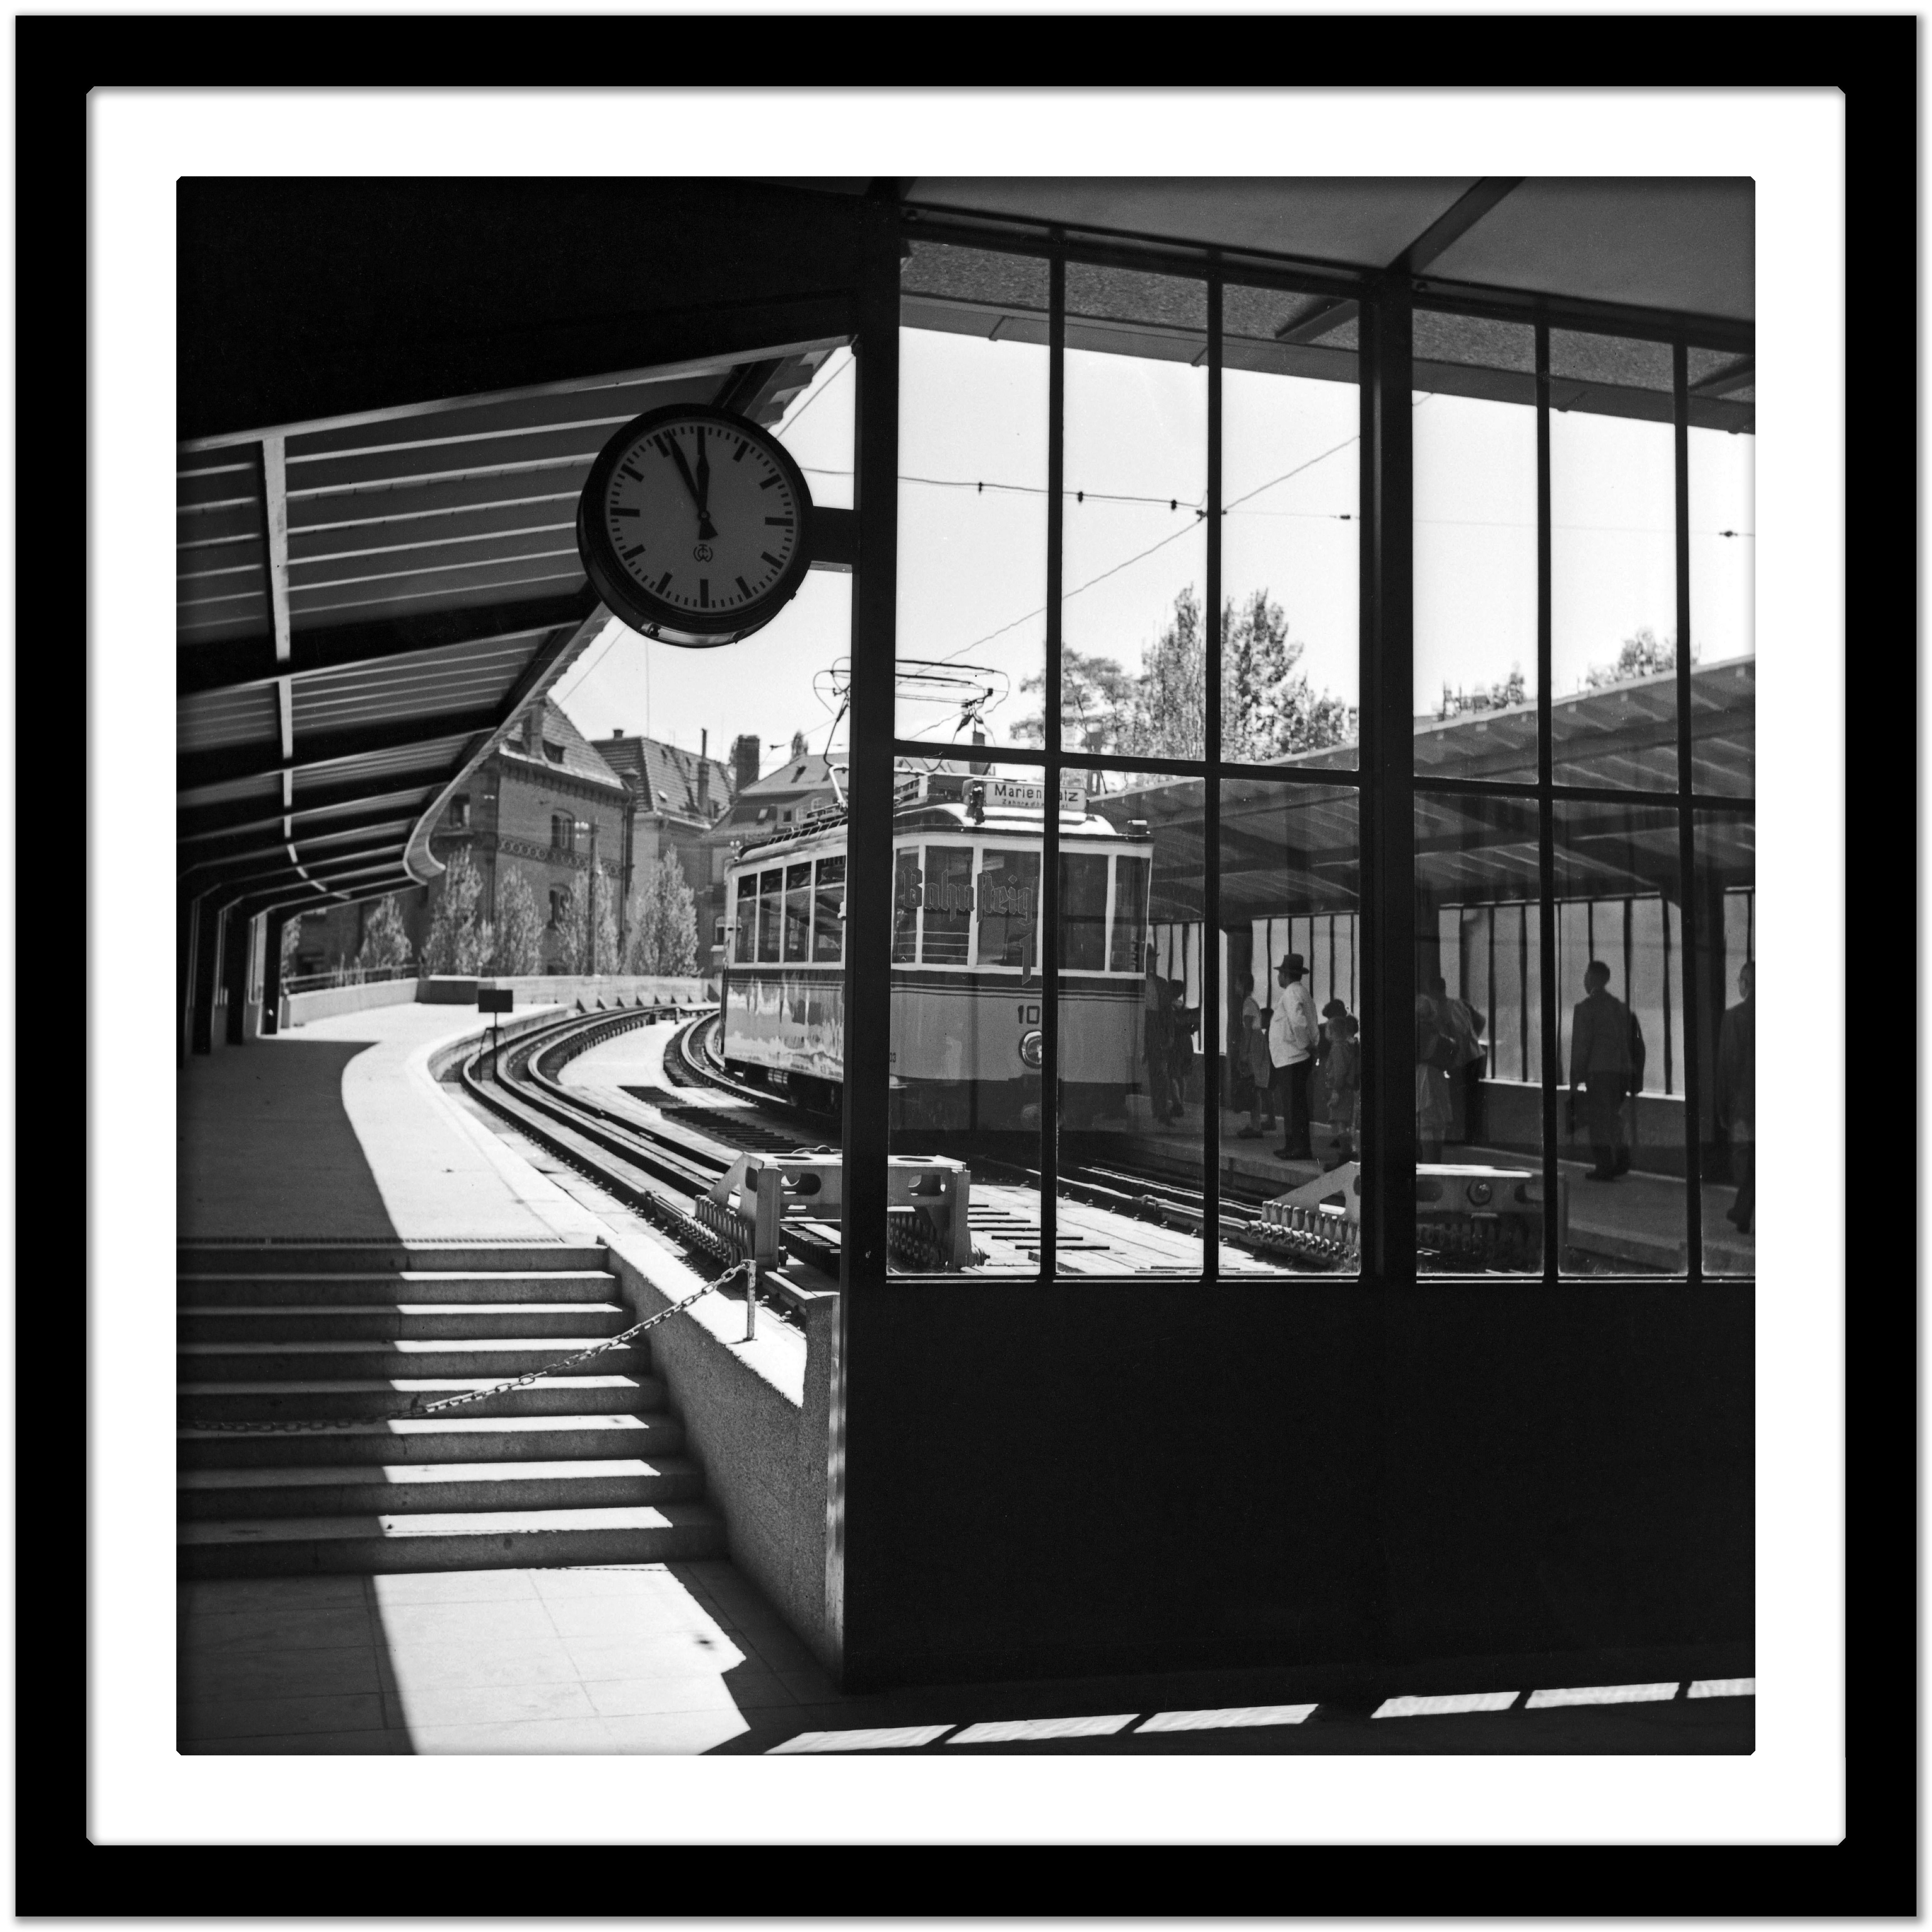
column 482, row 1539
column 275, row 1257
column 460, row 1436
column 348, row 1400
column 415, row 1321
column 207, row 1495
column 254, row 1289
column 493, row 1357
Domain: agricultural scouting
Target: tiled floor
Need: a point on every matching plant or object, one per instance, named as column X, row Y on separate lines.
column 685, row 1658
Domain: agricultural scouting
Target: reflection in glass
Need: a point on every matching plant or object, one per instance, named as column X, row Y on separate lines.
column 1475, row 580
column 1290, row 1036
column 1620, row 1036
column 1133, row 517
column 798, row 911
column 1613, row 601
column 828, row 929
column 973, row 501
column 1724, row 905
column 1723, row 554
column 1478, row 1036
column 1291, row 566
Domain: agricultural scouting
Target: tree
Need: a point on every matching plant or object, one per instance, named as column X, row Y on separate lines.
column 459, row 937
column 385, row 940
column 572, row 927
column 519, row 937
column 663, row 933
column 291, row 944
column 1268, row 707
column 1644, row 654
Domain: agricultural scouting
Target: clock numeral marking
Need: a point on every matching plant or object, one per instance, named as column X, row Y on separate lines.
column 769, row 558
column 663, row 447
column 704, row 593
column 626, row 470
column 744, row 588
column 636, row 550
column 661, row 582
column 786, row 521
column 742, row 446
column 768, row 482
column 616, row 511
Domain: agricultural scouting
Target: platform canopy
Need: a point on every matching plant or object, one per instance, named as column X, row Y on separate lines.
column 364, row 605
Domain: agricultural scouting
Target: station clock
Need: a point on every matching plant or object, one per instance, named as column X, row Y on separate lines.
column 694, row 526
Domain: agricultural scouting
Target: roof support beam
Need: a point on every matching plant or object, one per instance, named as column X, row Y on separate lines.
column 244, row 663
column 1329, row 317
column 1455, row 222
column 274, row 835
column 357, row 866
column 216, row 821
column 1738, row 375
column 275, row 516
column 193, row 768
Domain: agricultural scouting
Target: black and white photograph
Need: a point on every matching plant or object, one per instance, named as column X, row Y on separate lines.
column 965, row 963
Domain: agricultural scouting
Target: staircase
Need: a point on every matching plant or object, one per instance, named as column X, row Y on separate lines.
column 581, row 1467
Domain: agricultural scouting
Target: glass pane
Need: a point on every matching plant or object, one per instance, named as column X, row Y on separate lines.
column 744, row 946
column 1724, row 909
column 1290, row 561
column 1475, row 577
column 1290, row 1039
column 1478, row 1036
column 1613, row 601
column 1723, row 640
column 973, row 504
column 1133, row 1007
column 1620, row 1035
column 1610, row 375
column 965, row 1019
column 1135, row 545
column 771, row 899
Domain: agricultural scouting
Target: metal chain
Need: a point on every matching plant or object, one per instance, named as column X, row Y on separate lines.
column 419, row 1409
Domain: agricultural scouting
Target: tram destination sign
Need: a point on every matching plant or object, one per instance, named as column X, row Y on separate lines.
column 1029, row 794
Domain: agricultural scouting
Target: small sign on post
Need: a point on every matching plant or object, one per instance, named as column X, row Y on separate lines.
column 493, row 1000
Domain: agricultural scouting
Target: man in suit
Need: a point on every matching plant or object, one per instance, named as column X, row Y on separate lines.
column 1606, row 1063
column 1737, row 1099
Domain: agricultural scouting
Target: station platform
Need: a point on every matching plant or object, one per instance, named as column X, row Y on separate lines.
column 336, row 1133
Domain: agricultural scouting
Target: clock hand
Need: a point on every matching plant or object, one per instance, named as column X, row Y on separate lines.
column 705, row 532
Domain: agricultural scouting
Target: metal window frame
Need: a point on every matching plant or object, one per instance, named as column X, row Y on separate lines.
column 1384, row 776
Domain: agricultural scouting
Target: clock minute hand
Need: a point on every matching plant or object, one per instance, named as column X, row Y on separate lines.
column 705, row 532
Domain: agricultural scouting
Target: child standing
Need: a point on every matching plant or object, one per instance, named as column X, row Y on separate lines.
column 1342, row 1072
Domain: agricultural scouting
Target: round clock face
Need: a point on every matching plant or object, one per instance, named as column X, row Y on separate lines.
column 693, row 526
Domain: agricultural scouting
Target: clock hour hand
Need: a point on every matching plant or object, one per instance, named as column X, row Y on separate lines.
column 705, row 532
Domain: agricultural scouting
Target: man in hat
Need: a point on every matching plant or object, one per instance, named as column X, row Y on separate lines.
column 1291, row 1031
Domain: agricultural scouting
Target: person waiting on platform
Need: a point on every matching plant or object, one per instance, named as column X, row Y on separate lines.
column 1341, row 1077
column 1252, row 1052
column 1181, row 1025
column 1606, row 1064
column 1291, row 1055
column 1157, row 1043
column 1737, row 1099
column 1436, row 1052
column 1464, row 1026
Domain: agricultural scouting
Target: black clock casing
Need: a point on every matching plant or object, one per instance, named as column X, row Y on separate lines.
column 646, row 533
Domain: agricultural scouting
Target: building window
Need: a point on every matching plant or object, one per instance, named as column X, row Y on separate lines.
column 552, row 752
column 459, row 812
column 563, row 833
column 558, row 896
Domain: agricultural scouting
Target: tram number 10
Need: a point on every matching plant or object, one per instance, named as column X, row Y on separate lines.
column 1029, row 1015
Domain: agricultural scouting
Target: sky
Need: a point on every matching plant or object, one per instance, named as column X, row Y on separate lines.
column 973, row 548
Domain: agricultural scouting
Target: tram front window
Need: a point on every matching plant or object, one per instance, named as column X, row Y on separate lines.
column 828, row 931
column 1129, row 927
column 949, row 905
column 1008, row 893
column 1083, row 912
column 770, row 888
column 798, row 912
column 745, row 949
column 905, row 907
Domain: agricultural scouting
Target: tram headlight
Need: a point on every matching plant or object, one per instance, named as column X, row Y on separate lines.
column 1032, row 1049
column 1480, row 1193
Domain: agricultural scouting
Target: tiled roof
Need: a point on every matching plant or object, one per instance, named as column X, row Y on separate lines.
column 665, row 776
column 799, row 774
column 579, row 757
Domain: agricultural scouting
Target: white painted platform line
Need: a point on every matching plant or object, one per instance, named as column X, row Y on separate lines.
column 893, row 1738
column 1723, row 1687
column 1603, row 1693
column 1447, row 1707
column 1236, row 1718
column 1038, row 1730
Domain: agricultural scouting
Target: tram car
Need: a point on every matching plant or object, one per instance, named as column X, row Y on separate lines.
column 966, row 998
